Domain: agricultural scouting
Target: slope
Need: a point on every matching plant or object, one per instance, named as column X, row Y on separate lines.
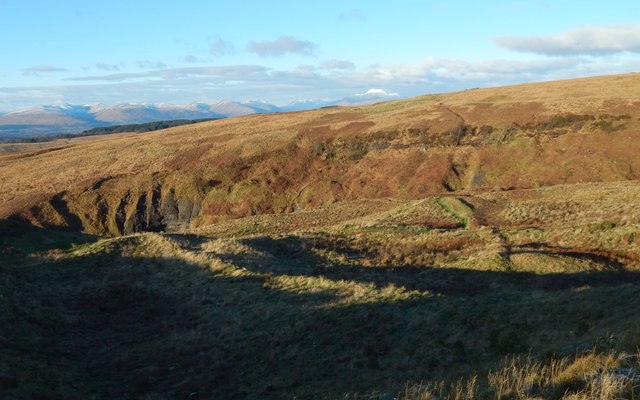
column 355, row 300
column 513, row 137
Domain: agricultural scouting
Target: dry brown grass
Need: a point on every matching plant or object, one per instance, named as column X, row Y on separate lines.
column 284, row 162
column 312, row 313
column 587, row 377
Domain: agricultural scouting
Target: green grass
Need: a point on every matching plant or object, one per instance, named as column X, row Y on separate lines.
column 457, row 208
column 393, row 229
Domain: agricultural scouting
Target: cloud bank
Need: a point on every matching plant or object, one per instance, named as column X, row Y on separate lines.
column 591, row 40
column 246, row 82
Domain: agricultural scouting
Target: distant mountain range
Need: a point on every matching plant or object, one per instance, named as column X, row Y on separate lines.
column 68, row 118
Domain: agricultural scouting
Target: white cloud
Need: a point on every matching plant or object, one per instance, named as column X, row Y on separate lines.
column 107, row 67
column 281, row 46
column 220, row 47
column 191, row 59
column 110, row 77
column 146, row 64
column 451, row 70
column 174, row 74
column 591, row 40
column 424, row 72
column 338, row 64
column 243, row 82
column 41, row 69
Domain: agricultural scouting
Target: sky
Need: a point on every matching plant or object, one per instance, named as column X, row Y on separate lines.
column 179, row 52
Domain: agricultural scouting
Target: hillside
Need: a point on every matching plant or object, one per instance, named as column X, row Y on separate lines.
column 483, row 244
column 356, row 299
column 515, row 137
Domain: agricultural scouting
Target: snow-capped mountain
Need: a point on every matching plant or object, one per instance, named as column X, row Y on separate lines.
column 69, row 118
column 262, row 106
column 300, row 105
column 371, row 96
column 62, row 115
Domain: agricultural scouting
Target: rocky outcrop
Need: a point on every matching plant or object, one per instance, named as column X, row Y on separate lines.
column 177, row 213
column 96, row 212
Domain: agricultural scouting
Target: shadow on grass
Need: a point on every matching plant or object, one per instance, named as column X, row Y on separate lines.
column 19, row 239
column 291, row 256
column 113, row 326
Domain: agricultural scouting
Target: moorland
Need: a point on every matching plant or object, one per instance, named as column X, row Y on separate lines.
column 478, row 244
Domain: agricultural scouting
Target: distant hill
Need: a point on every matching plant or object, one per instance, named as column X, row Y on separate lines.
column 54, row 120
column 111, row 129
column 71, row 119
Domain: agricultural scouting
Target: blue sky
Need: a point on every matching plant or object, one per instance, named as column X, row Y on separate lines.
column 186, row 51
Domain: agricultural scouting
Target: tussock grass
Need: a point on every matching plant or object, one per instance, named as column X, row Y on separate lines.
column 332, row 312
column 595, row 376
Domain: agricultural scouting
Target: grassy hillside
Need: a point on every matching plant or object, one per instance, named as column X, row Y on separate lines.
column 474, row 245
column 515, row 137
